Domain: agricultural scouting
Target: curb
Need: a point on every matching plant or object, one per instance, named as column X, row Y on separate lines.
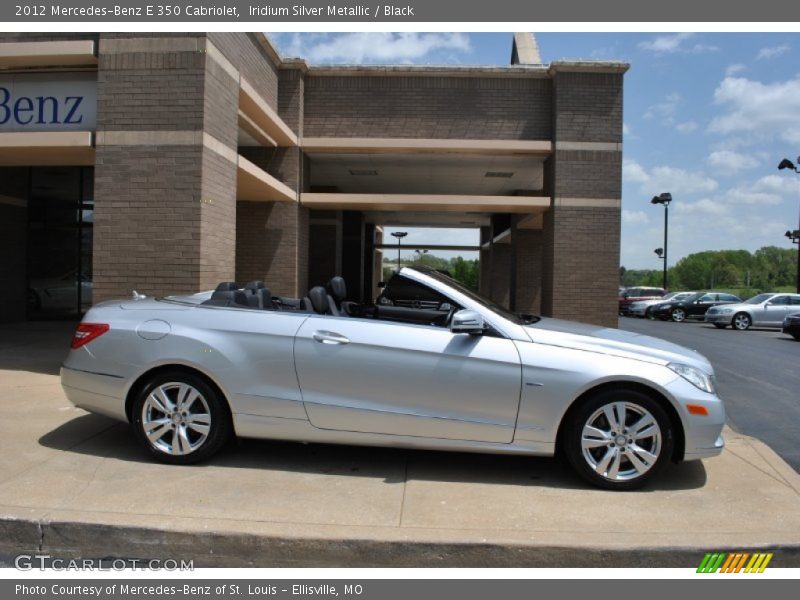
column 223, row 549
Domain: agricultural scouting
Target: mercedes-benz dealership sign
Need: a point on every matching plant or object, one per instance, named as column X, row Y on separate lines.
column 48, row 102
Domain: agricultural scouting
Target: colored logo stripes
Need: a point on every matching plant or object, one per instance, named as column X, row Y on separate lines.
column 734, row 562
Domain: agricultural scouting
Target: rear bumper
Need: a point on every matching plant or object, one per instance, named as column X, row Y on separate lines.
column 91, row 391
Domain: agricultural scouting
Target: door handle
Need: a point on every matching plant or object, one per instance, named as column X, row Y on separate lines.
column 329, row 337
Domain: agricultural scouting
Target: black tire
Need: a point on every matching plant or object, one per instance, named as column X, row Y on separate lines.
column 720, row 325
column 741, row 321
column 678, row 315
column 796, row 336
column 648, row 313
column 572, row 434
column 219, row 430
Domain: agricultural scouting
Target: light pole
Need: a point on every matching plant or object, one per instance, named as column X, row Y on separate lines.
column 664, row 199
column 399, row 235
column 793, row 235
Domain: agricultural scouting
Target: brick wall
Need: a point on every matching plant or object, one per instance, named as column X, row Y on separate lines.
column 585, row 266
column 148, row 91
column 428, row 107
column 588, row 107
column 500, row 274
column 13, row 231
column 252, row 61
column 527, row 245
column 267, row 244
column 146, row 220
column 580, row 242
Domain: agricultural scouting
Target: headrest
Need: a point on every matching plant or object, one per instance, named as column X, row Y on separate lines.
column 254, row 285
column 239, row 297
column 265, row 298
column 337, row 288
column 319, row 299
column 227, row 286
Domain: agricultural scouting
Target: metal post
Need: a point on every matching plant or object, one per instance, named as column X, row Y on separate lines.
column 666, row 226
column 398, row 254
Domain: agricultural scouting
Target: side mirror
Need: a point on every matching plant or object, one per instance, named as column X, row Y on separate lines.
column 467, row 321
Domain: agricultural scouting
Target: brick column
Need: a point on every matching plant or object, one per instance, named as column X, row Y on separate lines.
column 582, row 228
column 165, row 166
column 272, row 237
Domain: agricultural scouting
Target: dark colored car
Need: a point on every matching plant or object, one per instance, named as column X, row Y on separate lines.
column 692, row 307
column 791, row 326
column 635, row 294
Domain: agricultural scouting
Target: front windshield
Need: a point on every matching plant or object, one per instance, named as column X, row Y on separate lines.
column 759, row 299
column 495, row 308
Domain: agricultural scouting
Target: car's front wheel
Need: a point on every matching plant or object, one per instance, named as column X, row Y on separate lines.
column 678, row 315
column 618, row 439
column 741, row 321
column 180, row 419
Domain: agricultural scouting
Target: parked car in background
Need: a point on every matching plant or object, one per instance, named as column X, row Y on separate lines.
column 791, row 325
column 643, row 308
column 764, row 310
column 693, row 306
column 636, row 294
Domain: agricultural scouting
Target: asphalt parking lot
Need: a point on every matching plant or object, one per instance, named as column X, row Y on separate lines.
column 758, row 375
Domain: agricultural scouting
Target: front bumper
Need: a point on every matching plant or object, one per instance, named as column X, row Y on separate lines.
column 719, row 318
column 702, row 434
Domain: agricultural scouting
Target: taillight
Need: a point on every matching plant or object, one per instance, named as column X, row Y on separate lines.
column 86, row 332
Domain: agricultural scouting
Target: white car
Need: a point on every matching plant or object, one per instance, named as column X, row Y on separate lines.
column 764, row 310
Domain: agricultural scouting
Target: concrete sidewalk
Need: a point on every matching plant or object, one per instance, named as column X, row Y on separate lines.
column 74, row 484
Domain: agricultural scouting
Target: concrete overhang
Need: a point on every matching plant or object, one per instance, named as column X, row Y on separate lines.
column 342, row 145
column 255, row 184
column 74, row 53
column 425, row 202
column 588, row 66
column 259, row 112
column 47, row 148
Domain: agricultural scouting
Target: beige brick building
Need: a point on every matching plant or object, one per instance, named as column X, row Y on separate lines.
column 169, row 162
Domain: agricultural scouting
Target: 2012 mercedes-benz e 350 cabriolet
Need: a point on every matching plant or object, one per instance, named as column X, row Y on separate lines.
column 432, row 365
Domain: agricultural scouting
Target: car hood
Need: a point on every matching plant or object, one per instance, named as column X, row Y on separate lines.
column 614, row 342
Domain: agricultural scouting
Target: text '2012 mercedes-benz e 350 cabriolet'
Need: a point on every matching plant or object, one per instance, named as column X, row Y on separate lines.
column 431, row 365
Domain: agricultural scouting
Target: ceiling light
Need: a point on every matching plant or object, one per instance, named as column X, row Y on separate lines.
column 363, row 172
column 505, row 174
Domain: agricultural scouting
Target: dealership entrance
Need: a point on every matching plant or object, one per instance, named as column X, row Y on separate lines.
column 48, row 221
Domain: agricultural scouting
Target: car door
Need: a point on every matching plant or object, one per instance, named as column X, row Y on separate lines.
column 699, row 307
column 774, row 310
column 394, row 378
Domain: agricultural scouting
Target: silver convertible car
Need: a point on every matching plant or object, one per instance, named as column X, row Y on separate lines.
column 455, row 372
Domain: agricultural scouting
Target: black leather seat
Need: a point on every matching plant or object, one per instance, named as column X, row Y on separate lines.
column 317, row 301
column 236, row 298
column 259, row 295
column 339, row 305
column 227, row 286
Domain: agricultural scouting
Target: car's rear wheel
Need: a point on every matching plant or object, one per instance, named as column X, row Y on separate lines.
column 618, row 439
column 180, row 419
column 741, row 321
column 678, row 315
column 649, row 314
column 720, row 325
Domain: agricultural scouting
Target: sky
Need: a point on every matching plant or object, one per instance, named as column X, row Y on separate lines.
column 707, row 117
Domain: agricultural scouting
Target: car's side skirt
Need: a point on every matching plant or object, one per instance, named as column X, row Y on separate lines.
column 300, row 430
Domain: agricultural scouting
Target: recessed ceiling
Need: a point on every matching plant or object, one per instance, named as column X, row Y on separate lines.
column 426, row 174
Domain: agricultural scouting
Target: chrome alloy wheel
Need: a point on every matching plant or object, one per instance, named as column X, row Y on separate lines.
column 678, row 315
column 741, row 321
column 621, row 441
column 176, row 418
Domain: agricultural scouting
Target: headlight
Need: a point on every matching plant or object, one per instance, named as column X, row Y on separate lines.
column 696, row 377
column 724, row 311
